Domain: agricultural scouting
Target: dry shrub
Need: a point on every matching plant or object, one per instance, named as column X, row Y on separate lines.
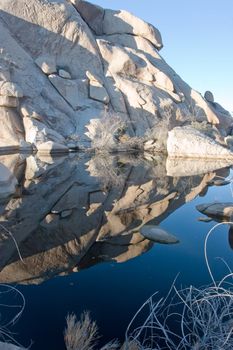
column 104, row 132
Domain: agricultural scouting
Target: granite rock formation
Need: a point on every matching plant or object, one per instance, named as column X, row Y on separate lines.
column 65, row 64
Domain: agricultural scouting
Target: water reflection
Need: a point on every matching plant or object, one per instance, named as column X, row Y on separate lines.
column 70, row 213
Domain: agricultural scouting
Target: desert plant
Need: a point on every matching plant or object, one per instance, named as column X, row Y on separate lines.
column 80, row 334
column 105, row 131
column 83, row 334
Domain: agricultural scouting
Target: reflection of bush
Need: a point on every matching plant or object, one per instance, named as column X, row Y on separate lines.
column 108, row 170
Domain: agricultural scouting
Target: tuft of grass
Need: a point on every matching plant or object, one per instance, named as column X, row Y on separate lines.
column 80, row 335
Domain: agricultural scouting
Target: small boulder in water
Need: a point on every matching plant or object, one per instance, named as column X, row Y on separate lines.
column 157, row 234
column 218, row 210
column 204, row 219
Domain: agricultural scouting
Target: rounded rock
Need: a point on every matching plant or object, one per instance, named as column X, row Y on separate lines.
column 64, row 74
column 209, row 97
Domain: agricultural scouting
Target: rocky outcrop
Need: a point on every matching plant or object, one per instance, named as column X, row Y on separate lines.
column 65, row 63
column 100, row 203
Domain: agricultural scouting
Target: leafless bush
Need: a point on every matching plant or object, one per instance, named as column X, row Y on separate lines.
column 104, row 132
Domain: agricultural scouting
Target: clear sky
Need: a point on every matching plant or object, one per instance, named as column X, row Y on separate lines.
column 197, row 37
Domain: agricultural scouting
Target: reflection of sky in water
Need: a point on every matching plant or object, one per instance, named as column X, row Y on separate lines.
column 113, row 292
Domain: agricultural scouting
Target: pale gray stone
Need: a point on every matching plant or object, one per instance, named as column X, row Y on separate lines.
column 47, row 64
column 74, row 92
column 64, row 74
column 204, row 219
column 157, row 234
column 116, row 22
column 180, row 166
column 92, row 14
column 10, row 89
column 164, row 81
column 98, row 92
column 36, row 132
column 189, row 142
column 52, row 147
column 96, row 89
column 93, row 77
column 7, row 101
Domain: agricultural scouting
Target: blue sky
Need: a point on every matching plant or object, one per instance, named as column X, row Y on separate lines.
column 197, row 37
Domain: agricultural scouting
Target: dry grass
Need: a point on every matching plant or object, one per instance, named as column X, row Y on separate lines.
column 10, row 313
column 190, row 318
column 80, row 335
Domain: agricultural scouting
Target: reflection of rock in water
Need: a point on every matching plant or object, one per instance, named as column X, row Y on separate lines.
column 230, row 236
column 74, row 212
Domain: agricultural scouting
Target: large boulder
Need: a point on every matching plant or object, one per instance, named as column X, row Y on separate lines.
column 190, row 142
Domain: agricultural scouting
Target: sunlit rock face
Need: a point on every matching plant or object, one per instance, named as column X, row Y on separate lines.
column 64, row 64
column 69, row 213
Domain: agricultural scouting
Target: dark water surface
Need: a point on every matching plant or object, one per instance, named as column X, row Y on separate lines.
column 78, row 220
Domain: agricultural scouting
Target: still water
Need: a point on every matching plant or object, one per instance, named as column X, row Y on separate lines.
column 77, row 221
